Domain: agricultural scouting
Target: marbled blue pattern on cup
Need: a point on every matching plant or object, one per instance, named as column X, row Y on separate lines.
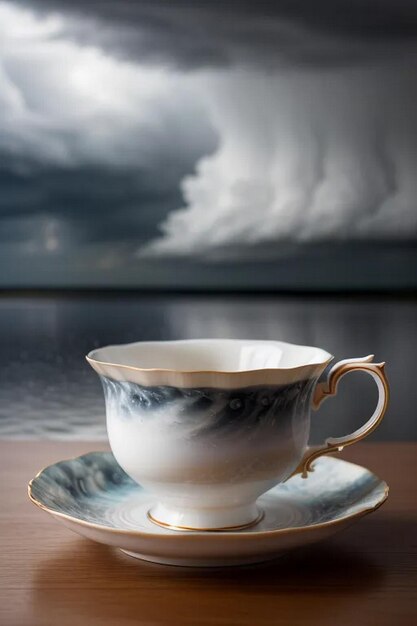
column 203, row 412
column 175, row 441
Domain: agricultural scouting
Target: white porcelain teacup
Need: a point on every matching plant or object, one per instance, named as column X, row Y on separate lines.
column 209, row 425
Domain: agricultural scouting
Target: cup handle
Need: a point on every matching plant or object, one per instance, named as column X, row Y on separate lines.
column 328, row 388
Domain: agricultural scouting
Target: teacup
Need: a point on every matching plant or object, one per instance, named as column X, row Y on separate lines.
column 207, row 426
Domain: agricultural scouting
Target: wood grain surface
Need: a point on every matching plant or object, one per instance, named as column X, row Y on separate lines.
column 50, row 576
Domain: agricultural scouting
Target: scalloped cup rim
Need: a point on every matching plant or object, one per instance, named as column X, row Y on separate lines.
column 207, row 377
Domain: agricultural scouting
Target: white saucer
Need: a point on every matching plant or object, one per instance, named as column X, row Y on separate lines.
column 94, row 497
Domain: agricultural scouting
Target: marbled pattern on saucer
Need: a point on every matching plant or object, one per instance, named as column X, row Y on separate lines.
column 94, row 489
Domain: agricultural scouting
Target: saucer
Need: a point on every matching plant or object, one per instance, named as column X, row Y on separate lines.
column 93, row 496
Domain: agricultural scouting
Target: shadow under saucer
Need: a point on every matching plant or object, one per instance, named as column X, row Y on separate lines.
column 101, row 585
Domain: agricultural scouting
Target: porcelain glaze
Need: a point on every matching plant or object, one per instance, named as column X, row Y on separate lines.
column 95, row 498
column 196, row 448
column 207, row 426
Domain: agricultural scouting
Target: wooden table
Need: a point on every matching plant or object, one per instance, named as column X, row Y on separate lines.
column 365, row 575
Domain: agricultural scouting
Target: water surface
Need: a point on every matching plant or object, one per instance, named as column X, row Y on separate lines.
column 47, row 390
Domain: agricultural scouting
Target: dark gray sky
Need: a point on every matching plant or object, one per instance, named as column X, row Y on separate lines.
column 133, row 132
column 229, row 32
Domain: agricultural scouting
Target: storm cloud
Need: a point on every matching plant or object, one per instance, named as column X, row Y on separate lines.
column 323, row 157
column 94, row 145
column 204, row 130
column 234, row 32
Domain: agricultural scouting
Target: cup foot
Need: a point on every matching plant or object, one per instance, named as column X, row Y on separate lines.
column 237, row 518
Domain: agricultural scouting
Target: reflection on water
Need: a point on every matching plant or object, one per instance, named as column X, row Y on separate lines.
column 48, row 390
